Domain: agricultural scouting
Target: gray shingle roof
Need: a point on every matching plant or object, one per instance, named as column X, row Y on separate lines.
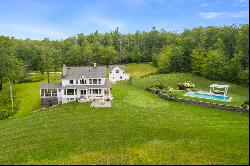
column 111, row 67
column 87, row 71
column 106, row 85
column 50, row 86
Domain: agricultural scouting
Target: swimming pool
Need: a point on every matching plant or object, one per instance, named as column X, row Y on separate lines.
column 206, row 95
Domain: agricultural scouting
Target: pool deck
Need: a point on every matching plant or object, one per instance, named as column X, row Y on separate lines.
column 207, row 93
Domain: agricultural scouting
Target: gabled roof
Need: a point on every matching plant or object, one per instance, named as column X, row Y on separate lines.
column 87, row 71
column 50, row 86
column 111, row 67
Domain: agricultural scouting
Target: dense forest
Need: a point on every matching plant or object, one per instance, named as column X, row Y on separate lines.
column 218, row 53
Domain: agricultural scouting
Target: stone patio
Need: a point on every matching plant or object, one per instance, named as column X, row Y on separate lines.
column 100, row 104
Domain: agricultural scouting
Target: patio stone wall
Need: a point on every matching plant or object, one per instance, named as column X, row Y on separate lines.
column 201, row 103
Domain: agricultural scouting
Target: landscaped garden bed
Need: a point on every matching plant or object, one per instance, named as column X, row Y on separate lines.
column 239, row 94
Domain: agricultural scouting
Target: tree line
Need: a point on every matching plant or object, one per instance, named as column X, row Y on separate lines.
column 218, row 53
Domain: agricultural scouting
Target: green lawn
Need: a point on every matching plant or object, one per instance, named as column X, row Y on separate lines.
column 238, row 93
column 138, row 70
column 140, row 128
column 28, row 93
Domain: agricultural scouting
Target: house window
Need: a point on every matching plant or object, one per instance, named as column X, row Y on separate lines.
column 71, row 81
column 120, row 77
column 83, row 81
column 65, row 91
column 90, row 81
column 99, row 81
column 75, row 91
column 94, row 81
column 47, row 92
column 96, row 91
column 42, row 92
column 76, row 81
column 54, row 92
column 59, row 90
column 70, row 91
column 117, row 71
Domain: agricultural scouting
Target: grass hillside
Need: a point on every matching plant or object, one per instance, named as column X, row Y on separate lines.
column 238, row 93
column 28, row 93
column 140, row 128
column 141, row 69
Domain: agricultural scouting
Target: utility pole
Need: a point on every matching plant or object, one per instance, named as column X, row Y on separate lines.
column 11, row 94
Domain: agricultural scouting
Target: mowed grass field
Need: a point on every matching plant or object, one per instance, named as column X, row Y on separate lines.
column 139, row 128
column 29, row 94
column 140, row 69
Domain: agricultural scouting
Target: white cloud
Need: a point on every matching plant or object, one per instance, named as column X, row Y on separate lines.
column 21, row 30
column 204, row 5
column 213, row 15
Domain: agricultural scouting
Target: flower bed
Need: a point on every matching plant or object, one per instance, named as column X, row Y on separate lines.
column 186, row 85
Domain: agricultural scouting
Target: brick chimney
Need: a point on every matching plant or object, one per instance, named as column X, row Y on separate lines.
column 64, row 70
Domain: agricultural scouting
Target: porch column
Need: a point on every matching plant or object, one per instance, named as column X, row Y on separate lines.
column 103, row 90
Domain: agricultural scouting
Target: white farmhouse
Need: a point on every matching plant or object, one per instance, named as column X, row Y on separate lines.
column 84, row 84
column 117, row 73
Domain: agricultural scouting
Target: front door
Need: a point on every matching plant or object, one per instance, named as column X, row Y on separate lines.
column 83, row 93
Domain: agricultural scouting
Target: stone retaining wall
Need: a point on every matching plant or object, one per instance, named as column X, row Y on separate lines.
column 201, row 103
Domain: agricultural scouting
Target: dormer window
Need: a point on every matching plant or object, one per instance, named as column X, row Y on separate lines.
column 71, row 81
column 83, row 81
column 117, row 71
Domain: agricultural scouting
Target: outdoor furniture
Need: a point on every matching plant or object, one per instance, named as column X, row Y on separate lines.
column 215, row 91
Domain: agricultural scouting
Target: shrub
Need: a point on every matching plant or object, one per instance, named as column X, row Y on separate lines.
column 245, row 104
column 161, row 86
column 195, row 90
column 170, row 92
column 185, row 85
column 5, row 105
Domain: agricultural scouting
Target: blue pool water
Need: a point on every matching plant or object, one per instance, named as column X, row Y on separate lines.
column 208, row 96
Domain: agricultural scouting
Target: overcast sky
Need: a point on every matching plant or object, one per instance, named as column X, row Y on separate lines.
column 59, row 19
